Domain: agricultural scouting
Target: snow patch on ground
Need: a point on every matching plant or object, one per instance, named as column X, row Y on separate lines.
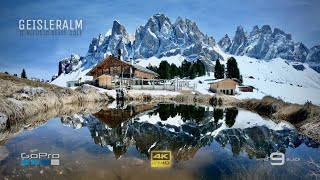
column 112, row 105
column 110, row 93
column 18, row 103
column 202, row 83
column 153, row 92
column 286, row 92
column 73, row 76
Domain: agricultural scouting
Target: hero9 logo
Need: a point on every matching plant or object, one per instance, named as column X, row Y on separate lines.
column 278, row 159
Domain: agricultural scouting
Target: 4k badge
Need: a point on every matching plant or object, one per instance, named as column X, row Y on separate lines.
column 161, row 159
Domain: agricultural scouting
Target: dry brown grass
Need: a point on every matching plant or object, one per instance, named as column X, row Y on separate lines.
column 266, row 107
column 53, row 97
column 185, row 91
column 9, row 84
column 304, row 117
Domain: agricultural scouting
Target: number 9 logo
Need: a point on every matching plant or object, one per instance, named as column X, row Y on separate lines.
column 278, row 157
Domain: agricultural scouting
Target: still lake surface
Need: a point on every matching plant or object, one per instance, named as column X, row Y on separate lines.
column 206, row 143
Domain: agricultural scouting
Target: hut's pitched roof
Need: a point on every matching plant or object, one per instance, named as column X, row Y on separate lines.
column 135, row 66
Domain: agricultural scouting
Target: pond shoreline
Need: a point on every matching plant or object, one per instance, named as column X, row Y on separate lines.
column 23, row 99
column 306, row 118
column 124, row 134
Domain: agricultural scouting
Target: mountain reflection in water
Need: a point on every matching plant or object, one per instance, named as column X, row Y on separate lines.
column 206, row 143
column 184, row 129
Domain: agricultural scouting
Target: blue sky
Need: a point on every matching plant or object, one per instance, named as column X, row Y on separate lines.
column 40, row 55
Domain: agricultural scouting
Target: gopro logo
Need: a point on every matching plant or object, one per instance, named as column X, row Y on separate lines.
column 40, row 159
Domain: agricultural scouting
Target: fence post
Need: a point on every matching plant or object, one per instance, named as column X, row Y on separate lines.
column 141, row 83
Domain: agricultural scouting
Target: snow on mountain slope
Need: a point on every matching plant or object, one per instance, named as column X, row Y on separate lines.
column 275, row 70
column 286, row 92
column 265, row 43
column 278, row 78
column 154, row 61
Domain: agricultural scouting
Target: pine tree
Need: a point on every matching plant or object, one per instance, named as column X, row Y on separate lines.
column 23, row 74
column 153, row 68
column 185, row 68
column 221, row 71
column 193, row 71
column 201, row 69
column 173, row 71
column 217, row 68
column 164, row 70
column 232, row 68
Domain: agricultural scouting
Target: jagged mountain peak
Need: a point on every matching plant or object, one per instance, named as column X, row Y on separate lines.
column 263, row 43
column 118, row 29
column 160, row 17
column 240, row 29
column 159, row 24
column 225, row 42
column 278, row 31
column 255, row 30
column 159, row 37
column 266, row 29
column 239, row 42
column 313, row 57
column 179, row 19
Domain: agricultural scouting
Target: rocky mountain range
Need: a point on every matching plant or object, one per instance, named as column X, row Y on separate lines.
column 265, row 43
column 160, row 37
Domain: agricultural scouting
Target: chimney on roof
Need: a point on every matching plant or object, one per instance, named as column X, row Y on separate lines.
column 119, row 54
column 131, row 61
